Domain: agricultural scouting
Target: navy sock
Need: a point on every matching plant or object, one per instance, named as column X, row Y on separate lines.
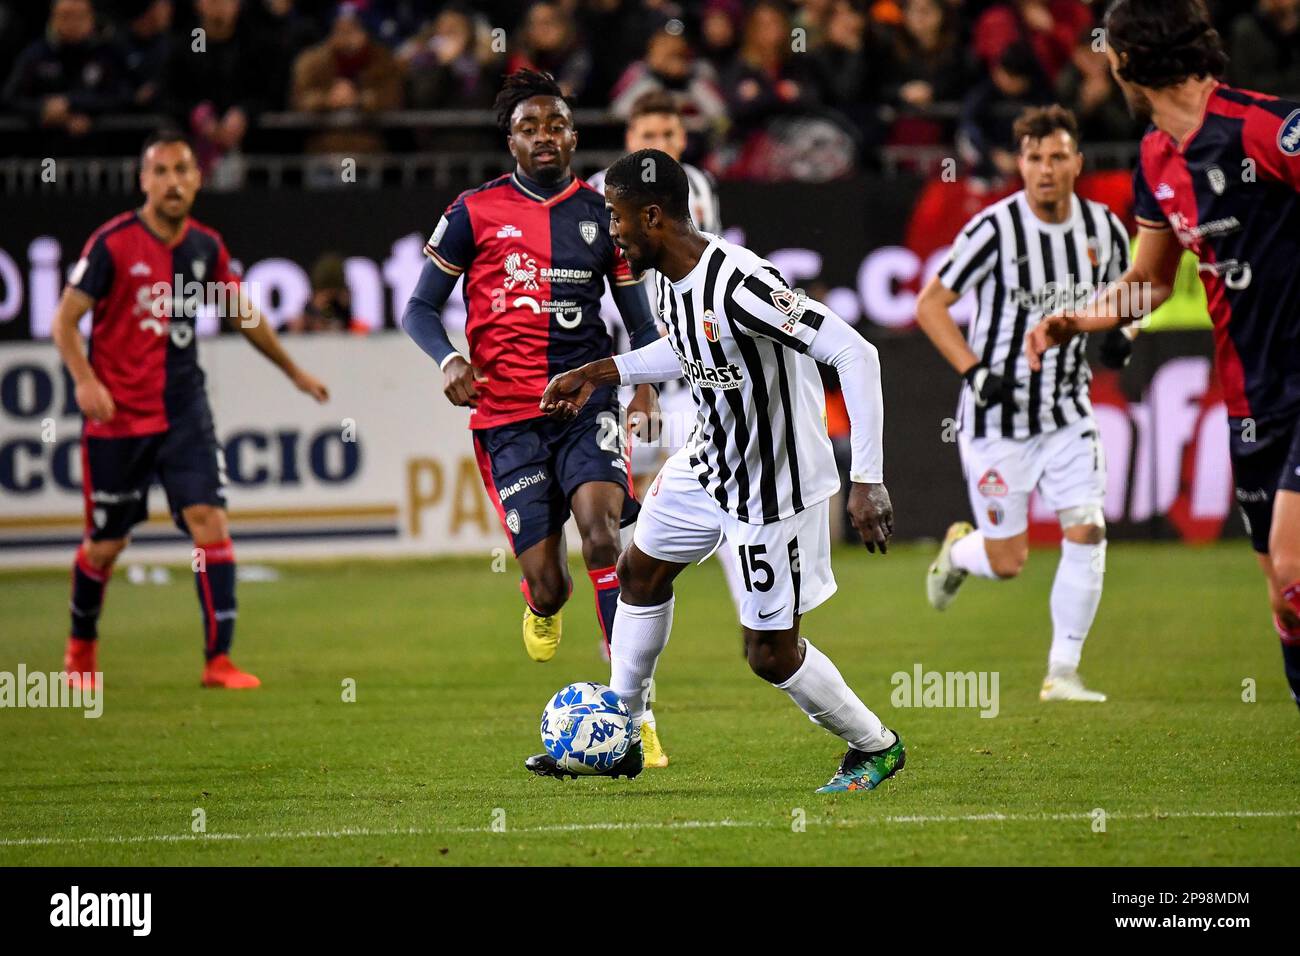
column 88, row 584
column 1291, row 642
column 214, row 579
column 605, row 582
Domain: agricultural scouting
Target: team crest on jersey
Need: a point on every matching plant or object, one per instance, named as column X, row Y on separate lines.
column 198, row 267
column 1288, row 136
column 587, row 229
column 712, row 330
column 991, row 484
column 1218, row 181
column 520, row 269
column 512, row 521
column 1094, row 251
column 995, row 513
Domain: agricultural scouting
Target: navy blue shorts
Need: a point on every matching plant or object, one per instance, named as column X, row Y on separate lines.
column 186, row 460
column 532, row 468
column 1265, row 460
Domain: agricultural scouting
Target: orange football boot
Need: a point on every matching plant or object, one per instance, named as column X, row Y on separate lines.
column 221, row 672
column 79, row 663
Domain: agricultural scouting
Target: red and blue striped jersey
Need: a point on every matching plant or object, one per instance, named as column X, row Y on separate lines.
column 147, row 296
column 1231, row 193
column 535, row 271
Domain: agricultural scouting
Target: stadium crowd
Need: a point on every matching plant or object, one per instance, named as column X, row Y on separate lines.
column 769, row 89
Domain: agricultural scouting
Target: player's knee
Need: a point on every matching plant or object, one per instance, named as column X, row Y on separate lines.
column 101, row 554
column 1009, row 562
column 547, row 593
column 600, row 545
column 770, row 656
column 207, row 523
column 1085, row 534
column 1285, row 563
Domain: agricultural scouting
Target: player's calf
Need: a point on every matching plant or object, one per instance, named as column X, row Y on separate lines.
column 91, row 570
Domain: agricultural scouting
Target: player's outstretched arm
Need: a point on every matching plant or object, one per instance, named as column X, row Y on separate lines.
column 1142, row 289
column 568, row 392
column 634, row 309
column 254, row 327
column 93, row 397
column 858, row 364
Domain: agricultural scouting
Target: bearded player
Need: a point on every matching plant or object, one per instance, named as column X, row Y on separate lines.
column 141, row 391
column 1219, row 175
column 534, row 250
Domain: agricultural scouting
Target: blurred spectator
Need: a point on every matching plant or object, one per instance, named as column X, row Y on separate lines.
column 670, row 67
column 844, row 62
column 450, row 64
column 922, row 61
column 1049, row 27
column 330, row 307
column 350, row 72
column 989, row 112
column 548, row 41
column 291, row 29
column 1087, row 88
column 1265, row 49
column 146, row 45
column 622, row 27
column 813, row 17
column 766, row 80
column 720, row 31
column 219, row 79
column 70, row 75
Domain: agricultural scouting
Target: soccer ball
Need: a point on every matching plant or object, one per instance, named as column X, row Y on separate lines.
column 586, row 728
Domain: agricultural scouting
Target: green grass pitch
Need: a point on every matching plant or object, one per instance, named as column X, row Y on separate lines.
column 425, row 766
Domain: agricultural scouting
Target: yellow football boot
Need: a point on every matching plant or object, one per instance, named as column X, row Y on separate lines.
column 541, row 635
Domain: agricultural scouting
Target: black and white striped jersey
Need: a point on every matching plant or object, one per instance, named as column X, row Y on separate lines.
column 759, row 445
column 1023, row 269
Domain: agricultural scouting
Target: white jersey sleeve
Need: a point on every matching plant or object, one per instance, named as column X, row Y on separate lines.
column 765, row 306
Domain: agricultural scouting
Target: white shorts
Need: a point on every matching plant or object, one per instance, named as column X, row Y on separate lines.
column 1067, row 466
column 785, row 566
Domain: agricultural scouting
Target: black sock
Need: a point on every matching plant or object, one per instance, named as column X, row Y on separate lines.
column 88, row 585
column 214, row 579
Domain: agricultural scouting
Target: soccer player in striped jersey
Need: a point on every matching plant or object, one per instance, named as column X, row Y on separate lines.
column 1039, row 251
column 758, row 473
column 1218, row 175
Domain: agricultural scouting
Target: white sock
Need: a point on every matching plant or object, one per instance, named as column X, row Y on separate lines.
column 821, row 693
column 969, row 554
column 1076, row 592
column 640, row 635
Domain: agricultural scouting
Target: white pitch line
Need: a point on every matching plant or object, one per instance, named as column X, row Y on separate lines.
column 346, row 832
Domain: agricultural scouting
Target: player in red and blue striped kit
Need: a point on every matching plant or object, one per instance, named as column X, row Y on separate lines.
column 534, row 250
column 1219, row 175
column 145, row 274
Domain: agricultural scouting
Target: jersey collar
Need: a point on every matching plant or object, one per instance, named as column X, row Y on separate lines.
column 563, row 194
column 180, row 236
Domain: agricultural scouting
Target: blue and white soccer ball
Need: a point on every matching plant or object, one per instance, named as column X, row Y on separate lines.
column 586, row 728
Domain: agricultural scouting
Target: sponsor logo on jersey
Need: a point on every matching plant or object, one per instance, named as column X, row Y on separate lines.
column 991, row 484
column 521, row 269
column 654, row 489
column 1218, row 181
column 1288, row 135
column 1164, row 191
column 198, row 268
column 1189, row 234
column 708, row 376
column 712, row 330
column 587, row 229
column 438, row 232
column 567, row 275
column 1054, row 296
column 505, row 232
column 1236, row 275
column 527, row 481
column 140, row 269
